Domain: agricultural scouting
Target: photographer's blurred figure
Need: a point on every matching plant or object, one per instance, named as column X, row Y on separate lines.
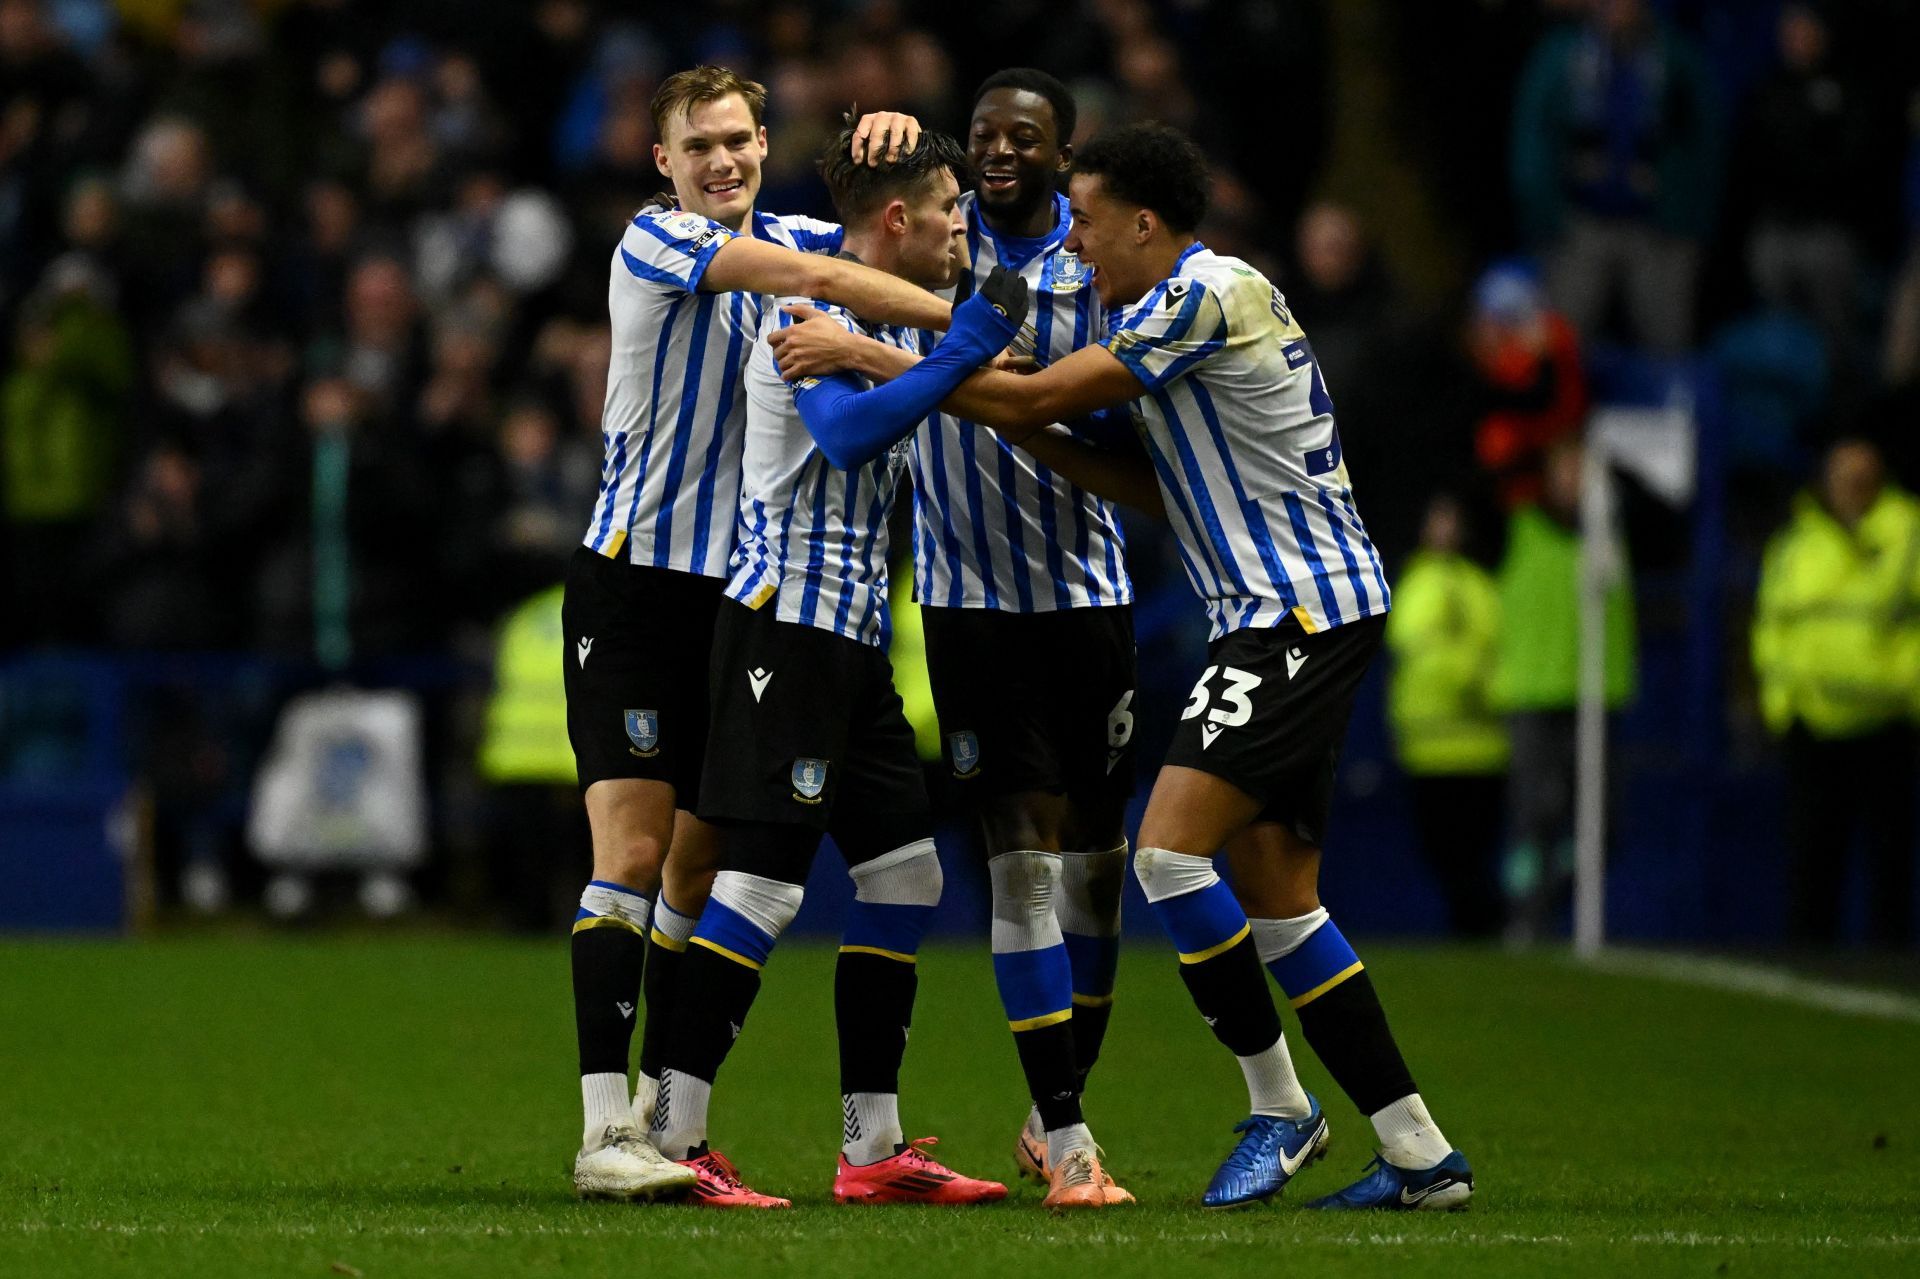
column 1444, row 634
column 1836, row 649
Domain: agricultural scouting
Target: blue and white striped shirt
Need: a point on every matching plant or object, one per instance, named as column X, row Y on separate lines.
column 993, row 528
column 670, row 478
column 1240, row 428
column 813, row 539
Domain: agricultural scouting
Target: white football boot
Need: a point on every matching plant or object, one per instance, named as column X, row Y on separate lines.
column 622, row 1164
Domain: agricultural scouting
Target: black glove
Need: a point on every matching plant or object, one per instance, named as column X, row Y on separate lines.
column 1007, row 292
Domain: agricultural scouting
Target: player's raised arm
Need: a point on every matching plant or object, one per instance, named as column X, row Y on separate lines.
column 853, row 425
column 747, row 265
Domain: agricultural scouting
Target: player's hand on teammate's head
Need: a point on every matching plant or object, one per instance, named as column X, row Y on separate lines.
column 812, row 346
column 884, row 136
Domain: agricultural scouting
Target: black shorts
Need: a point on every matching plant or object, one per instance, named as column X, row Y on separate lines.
column 1270, row 712
column 1036, row 702
column 638, row 639
column 805, row 722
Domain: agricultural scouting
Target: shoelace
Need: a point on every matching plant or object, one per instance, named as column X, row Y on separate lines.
column 1245, row 1151
column 721, row 1170
column 916, row 1154
column 1076, row 1169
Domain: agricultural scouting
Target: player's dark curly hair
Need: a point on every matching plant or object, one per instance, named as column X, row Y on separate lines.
column 1066, row 117
column 1152, row 166
column 859, row 188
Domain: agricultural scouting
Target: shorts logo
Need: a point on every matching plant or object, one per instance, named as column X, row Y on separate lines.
column 809, row 779
column 964, row 748
column 643, row 730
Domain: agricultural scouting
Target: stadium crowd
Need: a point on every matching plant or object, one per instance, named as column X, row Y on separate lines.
column 307, row 335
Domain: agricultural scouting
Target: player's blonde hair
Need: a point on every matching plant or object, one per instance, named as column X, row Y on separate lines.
column 682, row 91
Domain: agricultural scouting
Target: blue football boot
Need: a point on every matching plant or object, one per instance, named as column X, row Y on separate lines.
column 1270, row 1152
column 1448, row 1185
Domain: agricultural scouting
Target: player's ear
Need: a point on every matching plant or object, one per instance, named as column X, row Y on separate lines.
column 660, row 161
column 1065, row 163
column 763, row 141
column 1145, row 222
column 895, row 217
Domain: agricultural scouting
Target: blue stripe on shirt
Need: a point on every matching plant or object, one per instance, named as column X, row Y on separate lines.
column 1310, row 550
column 682, row 431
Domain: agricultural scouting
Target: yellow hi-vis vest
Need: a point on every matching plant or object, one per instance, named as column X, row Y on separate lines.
column 526, row 730
column 1836, row 626
column 1444, row 634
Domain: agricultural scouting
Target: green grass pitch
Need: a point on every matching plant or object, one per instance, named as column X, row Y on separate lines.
column 407, row 1106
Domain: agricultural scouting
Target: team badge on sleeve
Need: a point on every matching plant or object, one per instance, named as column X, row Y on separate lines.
column 964, row 749
column 809, row 779
column 643, row 730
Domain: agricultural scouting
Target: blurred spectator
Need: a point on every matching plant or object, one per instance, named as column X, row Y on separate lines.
column 1532, row 387
column 1836, row 648
column 347, row 564
column 1902, row 345
column 1391, row 378
column 45, row 103
column 1537, row 682
column 1444, row 635
column 62, row 427
column 1616, row 166
column 1804, row 155
column 162, row 581
column 550, row 479
column 527, row 764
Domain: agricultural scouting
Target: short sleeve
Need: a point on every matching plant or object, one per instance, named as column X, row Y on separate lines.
column 671, row 248
column 1175, row 328
column 811, row 235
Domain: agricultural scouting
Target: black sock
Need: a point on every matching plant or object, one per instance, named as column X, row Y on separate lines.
column 709, row 1009
column 873, row 1008
column 607, row 963
column 1089, row 1032
column 1053, row 1078
column 664, row 965
column 1348, row 1030
column 1230, row 990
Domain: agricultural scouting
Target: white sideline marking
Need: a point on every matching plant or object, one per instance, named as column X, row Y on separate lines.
column 344, row 1234
column 1760, row 979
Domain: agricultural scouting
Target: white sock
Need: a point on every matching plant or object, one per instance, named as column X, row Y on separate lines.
column 604, row 1096
column 1408, row 1136
column 872, row 1126
column 1062, row 1142
column 1272, row 1087
column 646, row 1091
column 680, row 1114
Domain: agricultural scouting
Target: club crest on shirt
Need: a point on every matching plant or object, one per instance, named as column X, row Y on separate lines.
column 1067, row 273
column 809, row 779
column 643, row 730
column 964, row 749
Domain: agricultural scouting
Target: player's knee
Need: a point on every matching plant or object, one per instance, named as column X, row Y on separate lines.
column 769, row 905
column 909, row 875
column 1092, row 882
column 630, row 857
column 1163, row 874
column 1026, row 821
column 1024, row 888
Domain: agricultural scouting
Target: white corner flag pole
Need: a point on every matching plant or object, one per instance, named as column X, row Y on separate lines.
column 1597, row 571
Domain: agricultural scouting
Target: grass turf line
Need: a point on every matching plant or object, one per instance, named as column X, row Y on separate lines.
column 407, row 1106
